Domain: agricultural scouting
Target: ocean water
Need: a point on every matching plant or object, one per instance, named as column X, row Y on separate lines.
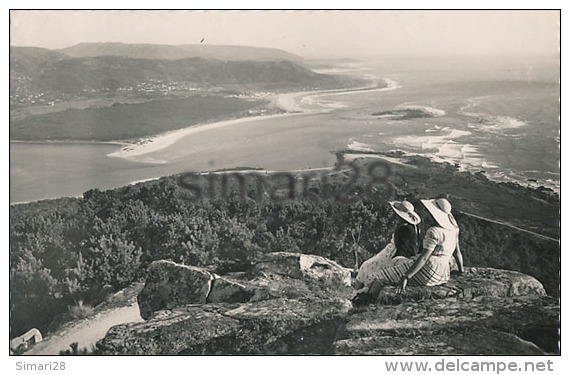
column 498, row 117
column 504, row 122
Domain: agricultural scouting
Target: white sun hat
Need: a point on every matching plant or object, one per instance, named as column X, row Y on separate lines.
column 440, row 209
column 405, row 210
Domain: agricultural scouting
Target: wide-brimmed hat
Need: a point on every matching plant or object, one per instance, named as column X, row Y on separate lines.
column 440, row 209
column 405, row 210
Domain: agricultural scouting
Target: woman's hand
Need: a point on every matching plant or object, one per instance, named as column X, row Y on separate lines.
column 402, row 285
column 456, row 273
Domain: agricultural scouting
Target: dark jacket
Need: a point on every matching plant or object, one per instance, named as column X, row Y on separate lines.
column 407, row 240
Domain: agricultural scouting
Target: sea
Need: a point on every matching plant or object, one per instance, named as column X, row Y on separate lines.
column 500, row 116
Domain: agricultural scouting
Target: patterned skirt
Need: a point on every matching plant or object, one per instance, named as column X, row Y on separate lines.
column 367, row 271
column 434, row 272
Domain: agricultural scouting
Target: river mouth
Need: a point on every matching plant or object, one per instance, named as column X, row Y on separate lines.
column 465, row 128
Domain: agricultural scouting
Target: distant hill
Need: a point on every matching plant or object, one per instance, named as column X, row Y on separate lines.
column 24, row 65
column 175, row 52
column 23, row 55
column 37, row 70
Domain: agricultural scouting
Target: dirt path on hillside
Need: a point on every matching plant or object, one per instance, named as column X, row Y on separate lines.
column 87, row 331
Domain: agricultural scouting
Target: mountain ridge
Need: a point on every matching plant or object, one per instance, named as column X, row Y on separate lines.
column 174, row 52
column 38, row 70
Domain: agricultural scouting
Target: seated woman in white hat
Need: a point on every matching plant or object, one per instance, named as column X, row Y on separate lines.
column 431, row 267
column 405, row 243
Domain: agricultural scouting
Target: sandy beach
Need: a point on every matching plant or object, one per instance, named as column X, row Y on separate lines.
column 165, row 140
column 291, row 103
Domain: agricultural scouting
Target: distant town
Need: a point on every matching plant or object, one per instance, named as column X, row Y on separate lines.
column 151, row 89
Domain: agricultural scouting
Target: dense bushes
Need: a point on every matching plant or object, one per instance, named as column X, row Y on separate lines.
column 69, row 250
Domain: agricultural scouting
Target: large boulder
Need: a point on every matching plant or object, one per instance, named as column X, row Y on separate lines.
column 531, row 318
column 277, row 326
column 501, row 312
column 169, row 285
column 297, row 266
column 285, row 326
column 174, row 331
column 276, row 275
column 473, row 283
column 295, row 275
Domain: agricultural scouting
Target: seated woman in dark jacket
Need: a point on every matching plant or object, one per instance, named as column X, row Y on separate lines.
column 405, row 243
column 407, row 239
column 432, row 266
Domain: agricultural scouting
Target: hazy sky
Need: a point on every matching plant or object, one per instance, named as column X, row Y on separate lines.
column 307, row 33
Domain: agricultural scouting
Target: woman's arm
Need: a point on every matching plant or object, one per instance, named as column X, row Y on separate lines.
column 418, row 264
column 458, row 257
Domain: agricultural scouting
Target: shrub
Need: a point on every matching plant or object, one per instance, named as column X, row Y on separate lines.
column 80, row 310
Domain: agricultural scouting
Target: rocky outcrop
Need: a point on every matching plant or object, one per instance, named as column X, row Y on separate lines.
column 419, row 323
column 472, row 283
column 290, row 303
column 294, row 275
column 483, row 311
column 277, row 275
column 302, row 266
column 277, row 326
column 460, row 343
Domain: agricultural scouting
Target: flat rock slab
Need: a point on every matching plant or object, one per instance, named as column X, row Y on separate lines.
column 277, row 326
column 532, row 318
column 285, row 326
column 192, row 329
column 470, row 343
column 473, row 283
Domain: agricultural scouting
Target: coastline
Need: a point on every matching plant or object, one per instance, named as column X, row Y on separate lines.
column 164, row 140
column 289, row 102
column 79, row 142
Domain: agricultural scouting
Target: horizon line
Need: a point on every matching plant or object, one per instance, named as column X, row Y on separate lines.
column 322, row 56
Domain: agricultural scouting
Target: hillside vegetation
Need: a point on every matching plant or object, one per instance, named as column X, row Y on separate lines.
column 116, row 91
column 110, row 73
column 130, row 121
column 42, row 71
column 67, row 250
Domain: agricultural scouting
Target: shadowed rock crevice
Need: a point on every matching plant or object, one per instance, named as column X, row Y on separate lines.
column 170, row 284
column 225, row 290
